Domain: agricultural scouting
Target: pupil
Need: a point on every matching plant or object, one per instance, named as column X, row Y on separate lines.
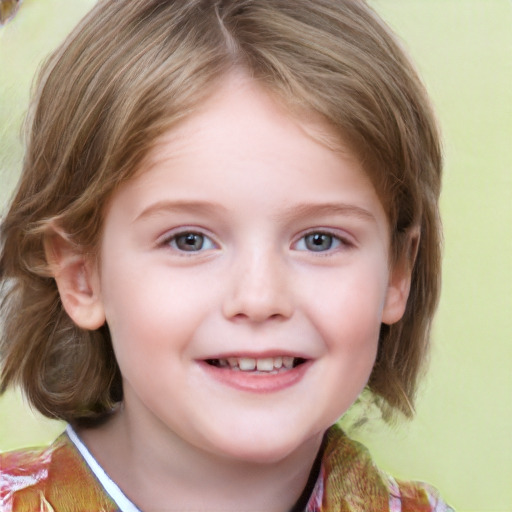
column 190, row 242
column 319, row 241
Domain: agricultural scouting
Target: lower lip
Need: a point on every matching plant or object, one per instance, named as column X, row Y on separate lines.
column 257, row 382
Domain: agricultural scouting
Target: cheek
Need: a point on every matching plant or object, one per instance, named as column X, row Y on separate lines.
column 351, row 346
column 153, row 314
column 350, row 315
column 349, row 321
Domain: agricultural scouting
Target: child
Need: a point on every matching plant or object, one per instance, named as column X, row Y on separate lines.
column 225, row 229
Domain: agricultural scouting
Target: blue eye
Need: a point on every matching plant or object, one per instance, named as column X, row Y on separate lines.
column 318, row 242
column 191, row 242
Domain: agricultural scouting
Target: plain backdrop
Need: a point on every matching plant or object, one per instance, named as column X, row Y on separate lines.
column 461, row 438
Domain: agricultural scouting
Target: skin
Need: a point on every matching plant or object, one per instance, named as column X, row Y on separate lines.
column 254, row 185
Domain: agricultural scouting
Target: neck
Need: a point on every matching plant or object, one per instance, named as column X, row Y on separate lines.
column 156, row 470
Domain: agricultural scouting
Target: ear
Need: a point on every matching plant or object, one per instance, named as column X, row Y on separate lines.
column 77, row 279
column 400, row 280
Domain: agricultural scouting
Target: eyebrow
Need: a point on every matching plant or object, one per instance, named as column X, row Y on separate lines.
column 297, row 211
column 181, row 206
column 313, row 209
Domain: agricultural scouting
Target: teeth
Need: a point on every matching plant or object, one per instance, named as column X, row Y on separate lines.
column 264, row 364
column 288, row 362
column 233, row 361
column 247, row 363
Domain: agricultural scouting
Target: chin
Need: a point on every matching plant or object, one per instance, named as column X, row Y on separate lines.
column 258, row 448
column 256, row 455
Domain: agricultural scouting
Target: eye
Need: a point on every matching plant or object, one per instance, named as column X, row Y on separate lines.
column 190, row 242
column 318, row 242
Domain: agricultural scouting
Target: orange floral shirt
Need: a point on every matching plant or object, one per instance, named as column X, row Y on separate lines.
column 59, row 479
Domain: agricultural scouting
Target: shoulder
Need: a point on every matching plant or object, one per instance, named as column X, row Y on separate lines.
column 350, row 480
column 414, row 496
column 26, row 468
column 50, row 478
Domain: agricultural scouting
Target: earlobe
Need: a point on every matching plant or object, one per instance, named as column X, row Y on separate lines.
column 77, row 280
column 400, row 280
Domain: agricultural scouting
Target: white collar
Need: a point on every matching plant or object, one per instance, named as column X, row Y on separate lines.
column 111, row 488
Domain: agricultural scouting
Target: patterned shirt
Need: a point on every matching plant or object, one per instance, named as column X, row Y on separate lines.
column 65, row 477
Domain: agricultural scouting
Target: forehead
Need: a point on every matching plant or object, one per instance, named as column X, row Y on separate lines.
column 242, row 140
column 241, row 108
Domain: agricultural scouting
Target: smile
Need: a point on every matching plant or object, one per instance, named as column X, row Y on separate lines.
column 257, row 374
column 267, row 365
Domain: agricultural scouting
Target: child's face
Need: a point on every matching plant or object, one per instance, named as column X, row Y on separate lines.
column 245, row 238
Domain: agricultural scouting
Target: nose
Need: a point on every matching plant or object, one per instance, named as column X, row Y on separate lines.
column 258, row 289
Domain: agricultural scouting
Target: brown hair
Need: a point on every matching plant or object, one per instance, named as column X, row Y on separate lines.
column 129, row 72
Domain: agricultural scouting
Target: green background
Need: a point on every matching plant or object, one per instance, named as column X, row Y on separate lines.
column 461, row 438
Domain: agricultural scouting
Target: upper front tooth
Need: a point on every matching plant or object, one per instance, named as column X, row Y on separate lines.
column 263, row 364
column 266, row 364
column 247, row 363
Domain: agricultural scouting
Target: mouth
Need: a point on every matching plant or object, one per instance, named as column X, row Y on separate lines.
column 263, row 365
column 267, row 374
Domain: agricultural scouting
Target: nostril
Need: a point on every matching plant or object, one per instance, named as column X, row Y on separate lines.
column 257, row 297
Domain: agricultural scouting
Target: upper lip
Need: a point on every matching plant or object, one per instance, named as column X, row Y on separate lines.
column 257, row 355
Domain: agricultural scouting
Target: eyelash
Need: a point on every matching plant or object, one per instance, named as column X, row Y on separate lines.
column 172, row 240
column 334, row 242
